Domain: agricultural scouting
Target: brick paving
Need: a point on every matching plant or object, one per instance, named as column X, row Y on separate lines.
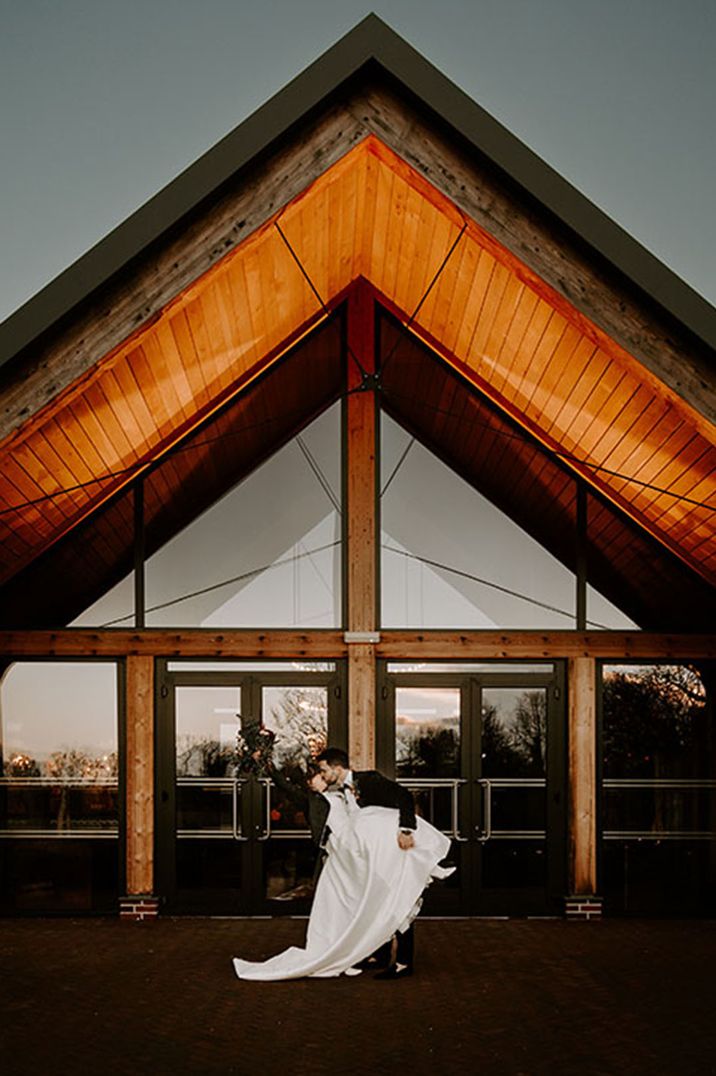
column 515, row 997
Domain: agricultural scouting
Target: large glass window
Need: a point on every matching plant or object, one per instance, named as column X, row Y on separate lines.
column 268, row 553
column 451, row 558
column 658, row 789
column 59, row 799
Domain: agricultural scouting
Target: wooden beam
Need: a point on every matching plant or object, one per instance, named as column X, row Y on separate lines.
column 140, row 775
column 361, row 705
column 540, row 645
column 582, row 776
column 448, row 645
column 185, row 642
column 361, row 527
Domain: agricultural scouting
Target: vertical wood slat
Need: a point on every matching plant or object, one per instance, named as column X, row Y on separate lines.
column 361, row 530
column 582, row 775
column 140, row 775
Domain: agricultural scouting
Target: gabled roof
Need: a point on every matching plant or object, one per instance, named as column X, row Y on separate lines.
column 369, row 166
column 370, row 50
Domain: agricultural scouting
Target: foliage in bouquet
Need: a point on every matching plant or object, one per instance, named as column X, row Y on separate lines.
column 254, row 750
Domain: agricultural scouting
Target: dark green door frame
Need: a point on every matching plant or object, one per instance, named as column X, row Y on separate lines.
column 469, row 827
column 245, row 891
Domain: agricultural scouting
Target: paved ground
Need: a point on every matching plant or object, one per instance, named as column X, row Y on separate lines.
column 508, row 997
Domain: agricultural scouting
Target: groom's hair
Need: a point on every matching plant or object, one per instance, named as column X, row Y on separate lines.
column 334, row 756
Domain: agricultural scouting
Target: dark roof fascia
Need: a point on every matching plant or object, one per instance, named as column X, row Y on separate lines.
column 371, row 42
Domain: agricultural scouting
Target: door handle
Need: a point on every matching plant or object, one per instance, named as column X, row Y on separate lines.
column 484, row 832
column 455, row 814
column 236, row 823
column 267, row 785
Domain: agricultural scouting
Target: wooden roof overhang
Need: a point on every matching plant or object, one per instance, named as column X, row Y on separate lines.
column 615, row 383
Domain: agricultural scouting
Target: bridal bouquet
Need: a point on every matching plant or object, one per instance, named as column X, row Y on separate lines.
column 254, row 750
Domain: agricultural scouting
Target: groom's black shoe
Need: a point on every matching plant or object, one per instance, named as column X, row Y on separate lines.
column 370, row 963
column 395, row 971
column 378, row 960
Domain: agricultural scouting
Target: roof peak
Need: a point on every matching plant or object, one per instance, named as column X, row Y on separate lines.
column 371, row 44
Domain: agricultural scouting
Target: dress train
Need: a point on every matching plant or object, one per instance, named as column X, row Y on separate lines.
column 369, row 888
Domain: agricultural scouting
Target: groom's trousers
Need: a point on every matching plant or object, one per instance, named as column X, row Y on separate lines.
column 405, row 947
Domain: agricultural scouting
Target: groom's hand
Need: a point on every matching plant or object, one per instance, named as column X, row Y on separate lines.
column 406, row 841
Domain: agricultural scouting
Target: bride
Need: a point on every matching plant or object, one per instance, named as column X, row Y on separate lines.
column 369, row 889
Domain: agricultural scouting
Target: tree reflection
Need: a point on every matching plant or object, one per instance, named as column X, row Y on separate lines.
column 204, row 756
column 654, row 721
column 514, row 741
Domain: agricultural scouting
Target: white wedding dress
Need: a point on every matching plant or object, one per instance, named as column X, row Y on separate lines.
column 369, row 888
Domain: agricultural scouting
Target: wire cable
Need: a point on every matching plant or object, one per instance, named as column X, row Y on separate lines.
column 524, row 438
column 314, row 289
column 320, row 477
column 484, row 582
column 431, row 285
column 397, row 467
column 226, row 582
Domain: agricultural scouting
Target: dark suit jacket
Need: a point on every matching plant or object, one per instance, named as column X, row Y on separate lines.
column 372, row 790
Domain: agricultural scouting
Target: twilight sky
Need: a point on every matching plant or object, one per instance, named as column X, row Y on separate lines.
column 104, row 103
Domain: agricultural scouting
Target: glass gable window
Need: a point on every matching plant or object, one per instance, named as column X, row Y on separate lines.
column 268, row 553
column 59, row 802
column 451, row 558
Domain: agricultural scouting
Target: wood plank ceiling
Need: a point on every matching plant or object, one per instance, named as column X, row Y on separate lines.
column 370, row 215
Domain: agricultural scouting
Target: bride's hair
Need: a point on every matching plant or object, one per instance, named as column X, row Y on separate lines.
column 334, row 756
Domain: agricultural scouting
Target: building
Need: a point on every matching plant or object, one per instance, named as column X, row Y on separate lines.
column 372, row 429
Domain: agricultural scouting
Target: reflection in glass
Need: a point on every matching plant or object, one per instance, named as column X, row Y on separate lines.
column 514, row 732
column 208, row 720
column 299, row 718
column 59, row 779
column 250, row 666
column 59, row 748
column 514, row 767
column 207, row 725
column 666, row 809
column 289, row 867
column 544, row 668
column 427, row 730
column 655, row 722
column 658, row 790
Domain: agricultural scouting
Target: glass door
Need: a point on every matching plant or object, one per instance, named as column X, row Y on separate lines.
column 483, row 753
column 231, row 841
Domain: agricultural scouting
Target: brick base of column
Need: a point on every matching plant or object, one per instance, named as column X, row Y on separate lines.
column 583, row 908
column 141, row 906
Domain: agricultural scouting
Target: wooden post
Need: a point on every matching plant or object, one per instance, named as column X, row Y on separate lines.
column 361, row 528
column 140, row 901
column 582, row 779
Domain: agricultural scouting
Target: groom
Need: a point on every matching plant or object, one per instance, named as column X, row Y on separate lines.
column 369, row 788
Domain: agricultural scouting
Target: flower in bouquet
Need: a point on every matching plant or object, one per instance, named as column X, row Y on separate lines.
column 254, row 750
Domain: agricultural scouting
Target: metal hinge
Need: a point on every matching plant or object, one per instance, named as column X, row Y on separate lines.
column 164, row 691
